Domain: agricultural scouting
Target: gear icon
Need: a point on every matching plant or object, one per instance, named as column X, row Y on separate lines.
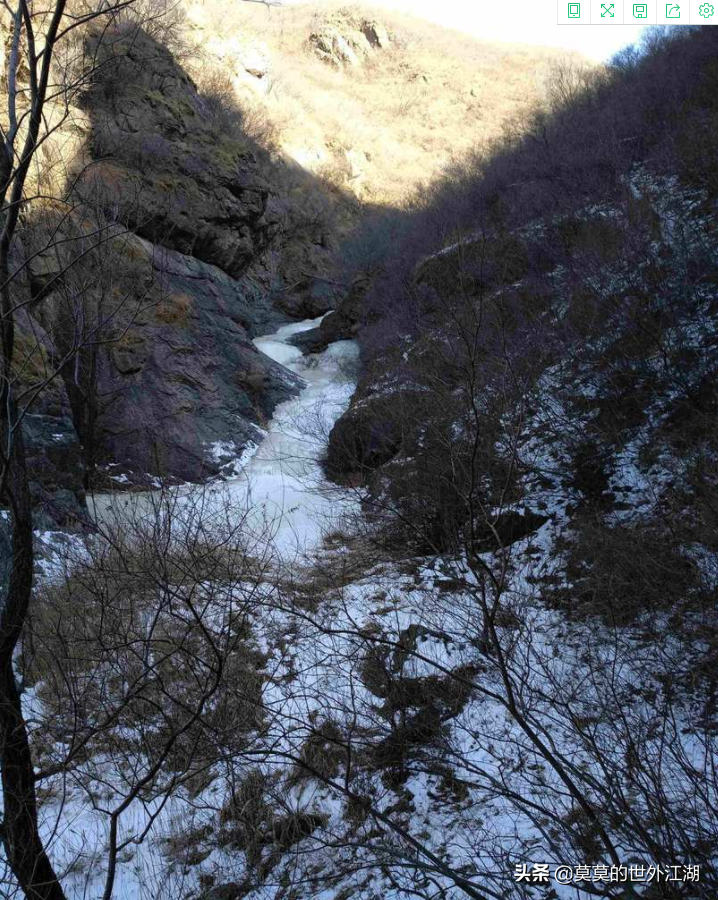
column 706, row 10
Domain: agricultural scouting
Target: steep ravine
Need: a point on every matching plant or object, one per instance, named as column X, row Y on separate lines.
column 363, row 686
column 167, row 383
column 278, row 490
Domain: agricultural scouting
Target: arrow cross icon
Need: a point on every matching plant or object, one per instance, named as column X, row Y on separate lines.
column 607, row 10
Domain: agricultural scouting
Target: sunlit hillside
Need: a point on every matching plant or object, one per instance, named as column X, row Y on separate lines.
column 376, row 116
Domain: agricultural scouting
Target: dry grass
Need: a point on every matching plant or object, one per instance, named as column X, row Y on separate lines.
column 173, row 309
column 89, row 637
column 382, row 128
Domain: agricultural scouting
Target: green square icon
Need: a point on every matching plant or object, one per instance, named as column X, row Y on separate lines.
column 673, row 11
column 640, row 10
column 574, row 10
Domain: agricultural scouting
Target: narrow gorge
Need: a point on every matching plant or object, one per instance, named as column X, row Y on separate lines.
column 359, row 456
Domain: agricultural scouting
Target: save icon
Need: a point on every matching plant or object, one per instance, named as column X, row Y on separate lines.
column 673, row 11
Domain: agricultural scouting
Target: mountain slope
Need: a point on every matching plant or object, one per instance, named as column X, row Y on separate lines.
column 376, row 115
column 239, row 148
column 503, row 663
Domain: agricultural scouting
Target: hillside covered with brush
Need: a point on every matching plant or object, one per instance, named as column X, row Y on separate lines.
column 374, row 101
column 552, row 304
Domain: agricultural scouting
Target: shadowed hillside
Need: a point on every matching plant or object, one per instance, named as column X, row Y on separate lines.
column 539, row 340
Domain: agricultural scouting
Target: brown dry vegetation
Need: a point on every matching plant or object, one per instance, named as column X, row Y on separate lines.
column 381, row 128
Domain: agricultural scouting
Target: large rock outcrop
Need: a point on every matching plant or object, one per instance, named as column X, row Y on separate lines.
column 344, row 39
column 192, row 388
column 145, row 290
column 340, row 324
column 178, row 386
column 164, row 167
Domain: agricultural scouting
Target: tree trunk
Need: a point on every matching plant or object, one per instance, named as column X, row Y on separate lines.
column 25, row 852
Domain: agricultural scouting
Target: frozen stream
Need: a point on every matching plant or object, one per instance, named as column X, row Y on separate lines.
column 281, row 501
column 279, row 490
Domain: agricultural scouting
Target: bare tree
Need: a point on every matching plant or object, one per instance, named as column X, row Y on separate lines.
column 146, row 666
column 34, row 38
column 45, row 70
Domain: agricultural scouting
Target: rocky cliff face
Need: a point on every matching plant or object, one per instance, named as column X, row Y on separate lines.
column 146, row 294
column 186, row 388
column 164, row 168
column 345, row 39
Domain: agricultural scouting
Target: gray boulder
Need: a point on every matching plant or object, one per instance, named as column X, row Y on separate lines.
column 342, row 324
column 309, row 299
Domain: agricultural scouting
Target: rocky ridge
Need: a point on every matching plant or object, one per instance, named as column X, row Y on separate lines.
column 167, row 382
column 347, row 39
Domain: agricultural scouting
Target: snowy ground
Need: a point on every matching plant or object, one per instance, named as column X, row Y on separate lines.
column 285, row 504
column 499, row 805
